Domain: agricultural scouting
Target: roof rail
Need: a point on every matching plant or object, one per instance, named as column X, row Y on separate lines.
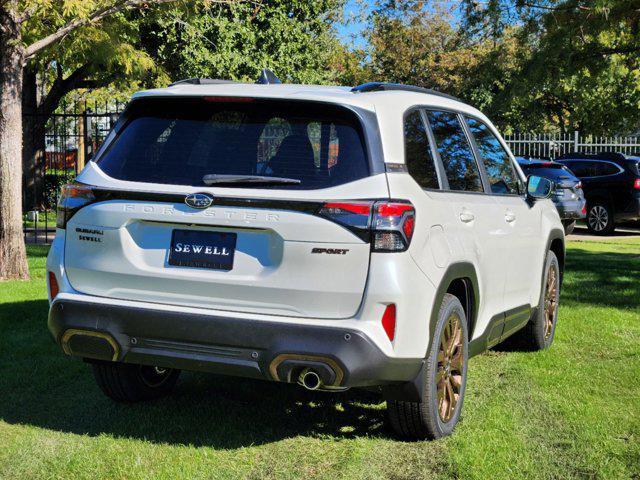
column 384, row 86
column 200, row 81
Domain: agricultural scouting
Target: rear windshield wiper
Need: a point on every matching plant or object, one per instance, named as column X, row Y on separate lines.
column 214, row 179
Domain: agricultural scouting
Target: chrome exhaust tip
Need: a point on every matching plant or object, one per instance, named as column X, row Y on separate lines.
column 309, row 379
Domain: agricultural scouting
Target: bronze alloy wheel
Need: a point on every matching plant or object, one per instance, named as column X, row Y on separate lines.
column 450, row 367
column 550, row 301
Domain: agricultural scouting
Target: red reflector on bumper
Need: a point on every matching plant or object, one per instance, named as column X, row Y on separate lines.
column 53, row 285
column 389, row 321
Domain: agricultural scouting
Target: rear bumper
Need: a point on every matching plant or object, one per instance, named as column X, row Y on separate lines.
column 571, row 210
column 234, row 346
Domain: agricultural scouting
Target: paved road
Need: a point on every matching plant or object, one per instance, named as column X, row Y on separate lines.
column 581, row 233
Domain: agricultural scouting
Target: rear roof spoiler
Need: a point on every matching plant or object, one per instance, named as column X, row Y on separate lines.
column 266, row 77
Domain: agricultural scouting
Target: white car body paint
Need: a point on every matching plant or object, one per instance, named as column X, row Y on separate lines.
column 275, row 278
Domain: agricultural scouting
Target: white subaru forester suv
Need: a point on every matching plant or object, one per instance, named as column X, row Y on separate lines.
column 376, row 236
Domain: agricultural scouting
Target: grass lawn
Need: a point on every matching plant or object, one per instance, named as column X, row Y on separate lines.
column 569, row 412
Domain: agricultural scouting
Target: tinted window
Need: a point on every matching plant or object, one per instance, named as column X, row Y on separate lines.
column 179, row 141
column 580, row 168
column 417, row 152
column 634, row 166
column 455, row 152
column 502, row 176
column 604, row 168
column 550, row 173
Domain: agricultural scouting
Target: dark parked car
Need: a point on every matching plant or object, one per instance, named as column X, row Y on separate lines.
column 611, row 183
column 568, row 196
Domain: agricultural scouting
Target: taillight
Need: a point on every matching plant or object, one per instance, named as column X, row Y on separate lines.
column 393, row 224
column 53, row 286
column 579, row 185
column 388, row 225
column 73, row 196
column 389, row 321
column 636, row 184
column 355, row 215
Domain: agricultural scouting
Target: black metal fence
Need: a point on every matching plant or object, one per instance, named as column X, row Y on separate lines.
column 553, row 145
column 56, row 148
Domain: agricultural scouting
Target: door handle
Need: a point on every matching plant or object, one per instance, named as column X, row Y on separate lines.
column 467, row 217
column 510, row 217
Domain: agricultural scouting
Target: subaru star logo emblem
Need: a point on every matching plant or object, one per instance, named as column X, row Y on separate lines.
column 198, row 200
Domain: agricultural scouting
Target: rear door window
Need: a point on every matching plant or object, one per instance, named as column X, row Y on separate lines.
column 180, row 140
column 455, row 152
column 417, row 152
column 502, row 176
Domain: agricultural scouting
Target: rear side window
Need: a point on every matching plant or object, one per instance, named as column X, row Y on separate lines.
column 592, row 168
column 502, row 176
column 180, row 140
column 418, row 152
column 455, row 152
column 606, row 168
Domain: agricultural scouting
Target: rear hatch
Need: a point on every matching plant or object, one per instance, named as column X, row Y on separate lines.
column 236, row 226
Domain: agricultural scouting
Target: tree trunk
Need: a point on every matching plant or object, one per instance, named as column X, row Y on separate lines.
column 33, row 142
column 13, row 258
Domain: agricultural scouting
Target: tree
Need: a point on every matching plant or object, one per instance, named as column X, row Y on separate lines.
column 578, row 61
column 418, row 42
column 294, row 38
column 93, row 58
column 27, row 28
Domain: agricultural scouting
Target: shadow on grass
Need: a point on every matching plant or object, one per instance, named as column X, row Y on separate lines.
column 602, row 278
column 41, row 387
column 44, row 388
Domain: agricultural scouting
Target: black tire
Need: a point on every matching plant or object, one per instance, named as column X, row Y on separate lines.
column 568, row 225
column 423, row 420
column 538, row 334
column 126, row 382
column 600, row 218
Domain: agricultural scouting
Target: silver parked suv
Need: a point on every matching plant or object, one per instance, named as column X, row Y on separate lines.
column 376, row 236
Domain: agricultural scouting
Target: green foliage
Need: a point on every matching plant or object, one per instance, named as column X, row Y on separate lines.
column 546, row 66
column 569, row 412
column 109, row 52
column 52, row 185
column 415, row 42
column 577, row 65
column 148, row 47
column 294, row 38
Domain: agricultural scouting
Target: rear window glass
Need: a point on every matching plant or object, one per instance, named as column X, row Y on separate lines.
column 634, row 166
column 179, row 141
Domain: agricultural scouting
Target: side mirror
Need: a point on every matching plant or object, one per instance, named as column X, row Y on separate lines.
column 539, row 188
